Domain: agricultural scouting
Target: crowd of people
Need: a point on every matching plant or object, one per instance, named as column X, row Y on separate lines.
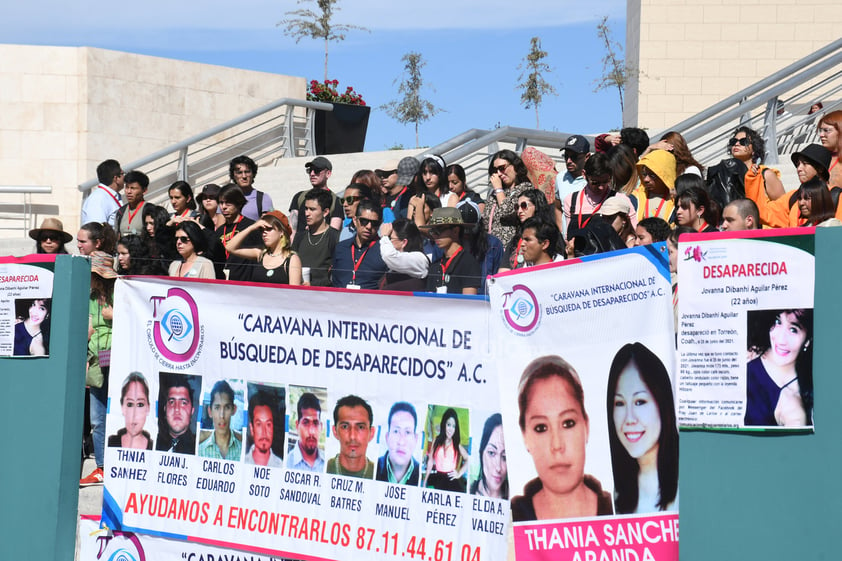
column 417, row 225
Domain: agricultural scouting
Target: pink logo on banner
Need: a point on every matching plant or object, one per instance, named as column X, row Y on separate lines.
column 694, row 253
column 637, row 538
column 521, row 310
column 176, row 329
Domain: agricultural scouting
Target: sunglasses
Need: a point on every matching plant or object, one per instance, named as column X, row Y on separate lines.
column 315, row 171
column 524, row 205
column 501, row 169
column 351, row 199
column 438, row 232
column 182, row 239
column 744, row 141
column 384, row 173
column 366, row 221
column 49, row 238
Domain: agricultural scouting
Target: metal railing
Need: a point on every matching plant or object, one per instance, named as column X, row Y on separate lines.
column 277, row 130
column 24, row 215
column 816, row 77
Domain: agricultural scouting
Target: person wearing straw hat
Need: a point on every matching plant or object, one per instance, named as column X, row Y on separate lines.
column 457, row 272
column 50, row 237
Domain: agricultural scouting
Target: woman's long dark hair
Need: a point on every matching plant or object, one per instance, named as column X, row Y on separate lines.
column 407, row 230
column 521, row 173
column 184, row 188
column 161, row 247
column 821, row 201
column 139, row 260
column 441, row 439
column 625, row 468
column 434, row 166
column 760, row 323
column 494, row 421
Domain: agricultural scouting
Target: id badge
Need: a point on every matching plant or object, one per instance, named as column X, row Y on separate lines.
column 352, row 286
column 441, row 290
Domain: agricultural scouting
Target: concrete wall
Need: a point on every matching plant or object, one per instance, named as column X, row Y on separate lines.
column 693, row 53
column 65, row 109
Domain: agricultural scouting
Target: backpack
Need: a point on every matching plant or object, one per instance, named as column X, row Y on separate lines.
column 726, row 181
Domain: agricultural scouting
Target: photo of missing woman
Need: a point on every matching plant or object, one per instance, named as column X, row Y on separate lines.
column 32, row 327
column 446, row 461
column 134, row 405
column 779, row 369
column 492, row 475
column 642, row 432
column 555, row 430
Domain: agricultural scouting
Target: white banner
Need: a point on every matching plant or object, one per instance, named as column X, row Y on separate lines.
column 745, row 330
column 303, row 423
column 585, row 352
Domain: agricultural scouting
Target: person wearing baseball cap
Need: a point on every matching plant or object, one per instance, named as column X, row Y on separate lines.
column 400, row 181
column 319, row 170
column 457, row 272
column 576, row 152
column 208, row 199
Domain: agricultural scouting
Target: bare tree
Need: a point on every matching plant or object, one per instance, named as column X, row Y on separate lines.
column 316, row 25
column 615, row 73
column 411, row 108
column 533, row 84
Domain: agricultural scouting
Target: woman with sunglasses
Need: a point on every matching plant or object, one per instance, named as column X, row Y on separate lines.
column 277, row 263
column 50, row 237
column 190, row 242
column 210, row 217
column 531, row 203
column 508, row 177
column 749, row 147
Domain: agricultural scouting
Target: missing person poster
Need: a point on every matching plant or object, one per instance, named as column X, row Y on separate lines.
column 26, row 295
column 745, row 330
column 585, row 359
column 312, row 424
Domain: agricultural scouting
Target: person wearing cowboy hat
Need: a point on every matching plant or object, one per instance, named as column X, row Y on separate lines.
column 51, row 236
column 457, row 272
column 811, row 163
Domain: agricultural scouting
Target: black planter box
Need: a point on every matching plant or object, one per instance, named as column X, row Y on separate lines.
column 342, row 130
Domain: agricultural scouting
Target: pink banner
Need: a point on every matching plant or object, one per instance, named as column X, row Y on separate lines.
column 633, row 538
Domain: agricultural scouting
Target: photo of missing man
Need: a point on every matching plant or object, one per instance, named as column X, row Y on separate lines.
column 265, row 437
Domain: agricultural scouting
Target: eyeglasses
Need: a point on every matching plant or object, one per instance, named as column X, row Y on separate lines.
column 182, row 239
column 366, row 221
column 826, row 130
column 744, row 141
column 384, row 173
column 48, row 237
column 524, row 205
column 501, row 169
column 351, row 199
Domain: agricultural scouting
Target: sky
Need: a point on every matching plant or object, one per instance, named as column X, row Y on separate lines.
column 472, row 50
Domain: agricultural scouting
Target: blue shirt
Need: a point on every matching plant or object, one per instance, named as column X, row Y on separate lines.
column 367, row 261
column 295, row 460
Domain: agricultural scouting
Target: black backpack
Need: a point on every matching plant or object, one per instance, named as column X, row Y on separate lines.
column 726, row 181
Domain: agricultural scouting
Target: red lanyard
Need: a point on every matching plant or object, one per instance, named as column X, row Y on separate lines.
column 836, row 161
column 516, row 257
column 398, row 196
column 226, row 237
column 113, row 198
column 133, row 214
column 444, row 266
column 462, row 196
column 358, row 262
column 595, row 210
column 187, row 212
column 657, row 210
column 703, row 226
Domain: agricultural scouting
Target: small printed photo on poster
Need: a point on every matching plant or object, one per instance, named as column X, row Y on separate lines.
column 178, row 412
column 401, row 446
column 266, row 414
column 555, row 429
column 306, row 436
column 32, row 327
column 353, row 428
column 642, row 433
column 779, row 368
column 489, row 474
column 447, row 440
column 223, row 414
column 134, row 406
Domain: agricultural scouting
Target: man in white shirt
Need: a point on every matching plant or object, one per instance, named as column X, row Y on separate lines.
column 103, row 202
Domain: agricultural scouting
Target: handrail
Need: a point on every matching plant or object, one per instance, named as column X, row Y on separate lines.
column 468, row 142
column 26, row 189
column 758, row 86
column 184, row 144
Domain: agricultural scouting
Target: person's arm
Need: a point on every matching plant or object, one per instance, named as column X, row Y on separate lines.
column 415, row 210
column 660, row 145
column 469, row 290
column 295, row 278
column 430, row 464
column 774, row 214
column 412, row 263
column 234, row 243
column 464, row 468
column 497, row 190
column 774, row 188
